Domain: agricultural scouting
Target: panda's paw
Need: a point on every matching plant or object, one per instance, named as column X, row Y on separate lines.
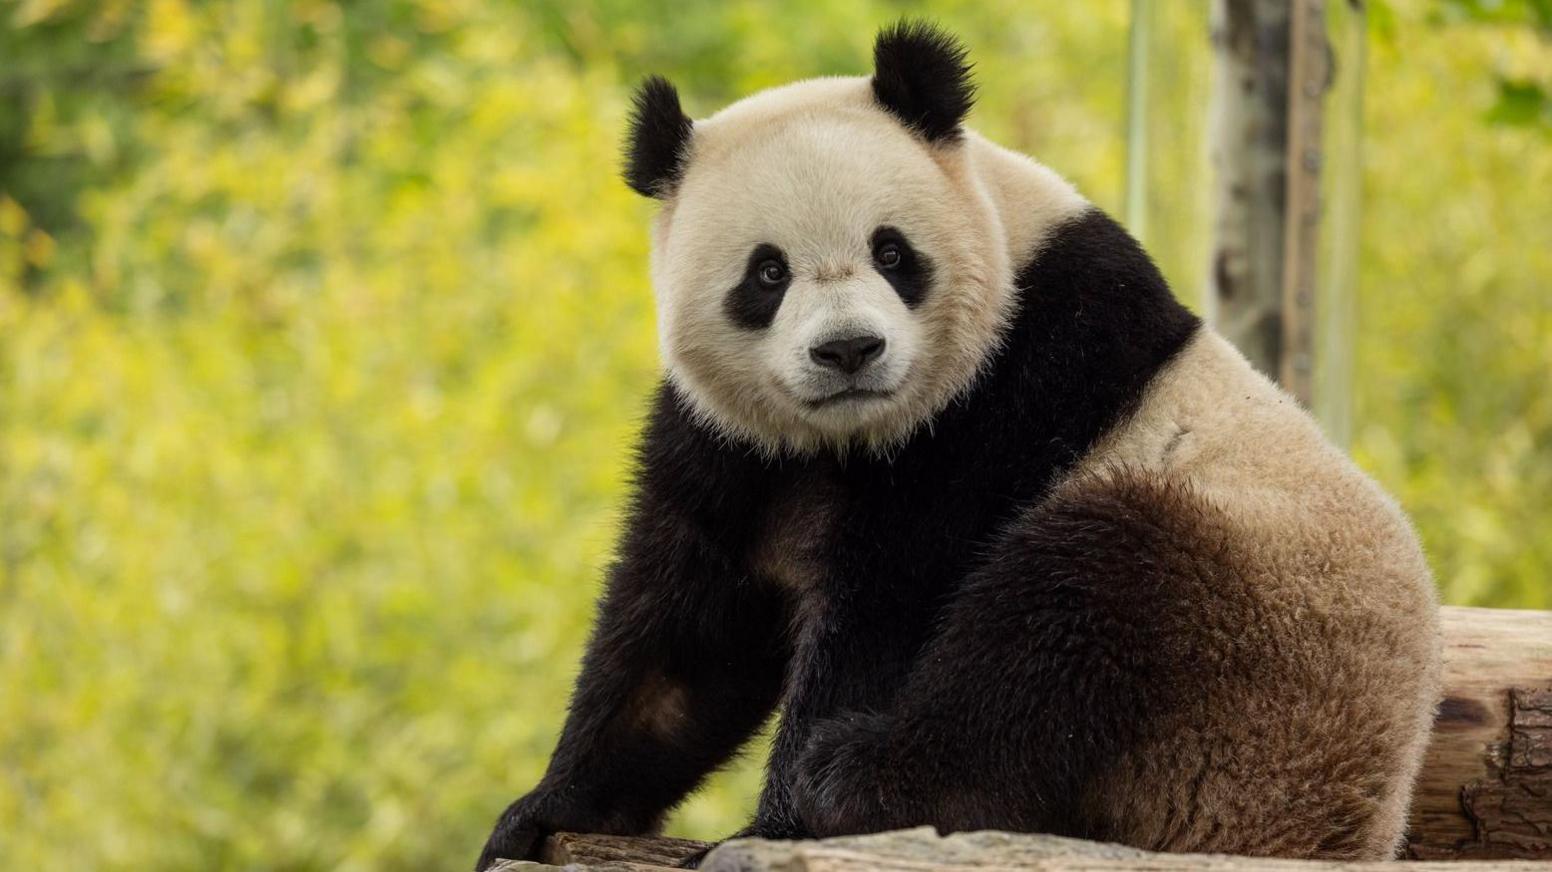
column 843, row 782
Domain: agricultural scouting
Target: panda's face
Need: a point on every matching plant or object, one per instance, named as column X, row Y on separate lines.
column 824, row 277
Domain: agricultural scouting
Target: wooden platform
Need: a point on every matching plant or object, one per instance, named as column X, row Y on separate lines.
column 922, row 849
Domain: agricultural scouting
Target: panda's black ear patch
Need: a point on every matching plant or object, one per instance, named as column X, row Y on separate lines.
column 658, row 144
column 921, row 74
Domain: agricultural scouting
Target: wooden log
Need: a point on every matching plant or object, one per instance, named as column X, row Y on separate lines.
column 609, row 852
column 1486, row 785
column 922, row 849
column 1484, row 793
column 818, row 859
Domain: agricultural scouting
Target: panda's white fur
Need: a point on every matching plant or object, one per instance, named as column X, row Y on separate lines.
column 812, row 167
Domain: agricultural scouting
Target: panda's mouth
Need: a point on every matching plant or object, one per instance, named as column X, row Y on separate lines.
column 848, row 395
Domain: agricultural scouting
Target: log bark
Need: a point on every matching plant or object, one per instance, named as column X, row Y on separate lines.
column 1483, row 800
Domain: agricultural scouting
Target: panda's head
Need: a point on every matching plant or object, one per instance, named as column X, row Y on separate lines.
column 829, row 270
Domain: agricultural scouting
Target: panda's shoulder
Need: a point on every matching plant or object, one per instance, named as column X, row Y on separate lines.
column 1094, row 325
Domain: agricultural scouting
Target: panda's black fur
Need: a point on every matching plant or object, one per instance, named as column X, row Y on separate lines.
column 752, row 304
column 912, row 276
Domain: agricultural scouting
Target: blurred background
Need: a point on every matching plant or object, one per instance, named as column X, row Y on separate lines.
column 325, row 331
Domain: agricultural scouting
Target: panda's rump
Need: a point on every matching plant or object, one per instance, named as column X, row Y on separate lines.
column 1287, row 613
column 1254, row 717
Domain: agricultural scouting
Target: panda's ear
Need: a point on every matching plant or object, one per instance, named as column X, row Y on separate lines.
column 658, row 144
column 921, row 74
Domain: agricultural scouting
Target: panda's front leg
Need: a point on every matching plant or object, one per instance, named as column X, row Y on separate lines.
column 846, row 767
column 776, row 817
column 843, row 663
column 832, row 789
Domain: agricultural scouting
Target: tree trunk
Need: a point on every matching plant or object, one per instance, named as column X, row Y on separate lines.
column 1271, row 70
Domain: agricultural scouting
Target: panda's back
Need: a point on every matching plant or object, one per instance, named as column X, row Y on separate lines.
column 1208, row 422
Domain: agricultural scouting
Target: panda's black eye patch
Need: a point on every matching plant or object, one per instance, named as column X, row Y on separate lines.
column 753, row 302
column 906, row 269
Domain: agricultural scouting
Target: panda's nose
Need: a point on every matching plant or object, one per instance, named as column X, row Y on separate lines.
column 847, row 355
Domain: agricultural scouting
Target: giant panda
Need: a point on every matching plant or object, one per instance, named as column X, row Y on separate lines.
column 941, row 469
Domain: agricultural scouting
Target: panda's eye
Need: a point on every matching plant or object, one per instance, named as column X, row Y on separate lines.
column 888, row 255
column 772, row 273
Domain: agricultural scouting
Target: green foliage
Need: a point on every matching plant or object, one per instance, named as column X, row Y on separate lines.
column 1523, row 100
column 1537, row 13
column 1455, row 316
column 324, row 329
